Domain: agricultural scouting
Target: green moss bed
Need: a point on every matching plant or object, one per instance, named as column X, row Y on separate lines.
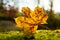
column 39, row 35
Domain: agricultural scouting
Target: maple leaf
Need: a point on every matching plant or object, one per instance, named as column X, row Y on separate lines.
column 30, row 22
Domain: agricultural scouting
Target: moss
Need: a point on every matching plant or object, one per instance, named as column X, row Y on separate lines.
column 39, row 35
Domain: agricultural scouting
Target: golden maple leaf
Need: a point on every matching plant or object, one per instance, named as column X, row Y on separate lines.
column 31, row 20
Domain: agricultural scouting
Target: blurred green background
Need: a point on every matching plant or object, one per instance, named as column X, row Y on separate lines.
column 9, row 30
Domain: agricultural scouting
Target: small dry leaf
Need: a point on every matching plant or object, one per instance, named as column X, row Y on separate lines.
column 31, row 20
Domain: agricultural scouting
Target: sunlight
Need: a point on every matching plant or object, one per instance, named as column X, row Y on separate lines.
column 32, row 4
column 45, row 4
column 56, row 5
